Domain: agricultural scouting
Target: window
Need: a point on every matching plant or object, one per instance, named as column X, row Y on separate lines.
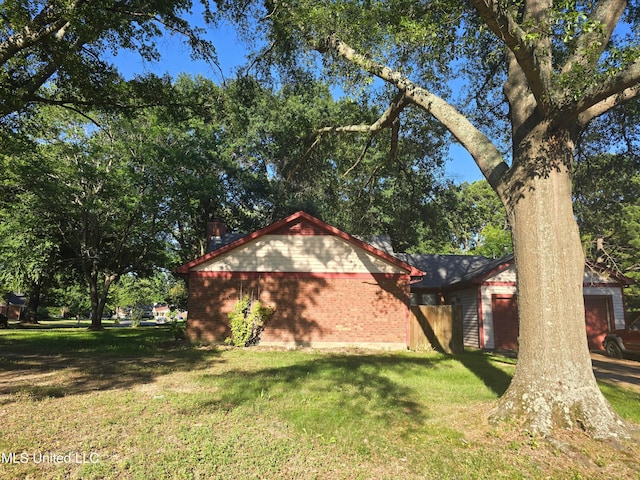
column 429, row 299
column 419, row 298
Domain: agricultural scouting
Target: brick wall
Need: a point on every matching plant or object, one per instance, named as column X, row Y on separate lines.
column 308, row 310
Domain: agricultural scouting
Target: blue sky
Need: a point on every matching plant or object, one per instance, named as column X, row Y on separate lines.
column 175, row 59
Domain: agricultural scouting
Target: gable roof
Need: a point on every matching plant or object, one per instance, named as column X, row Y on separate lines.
column 444, row 271
column 300, row 223
column 454, row 271
column 218, row 242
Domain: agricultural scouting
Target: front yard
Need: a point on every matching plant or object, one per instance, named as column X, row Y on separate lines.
column 131, row 403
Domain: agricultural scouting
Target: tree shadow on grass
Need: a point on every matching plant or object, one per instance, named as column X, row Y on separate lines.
column 38, row 364
column 332, row 392
column 483, row 366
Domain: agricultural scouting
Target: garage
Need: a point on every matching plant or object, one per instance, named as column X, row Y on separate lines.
column 505, row 321
column 597, row 310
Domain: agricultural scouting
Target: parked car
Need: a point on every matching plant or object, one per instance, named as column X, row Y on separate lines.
column 4, row 321
column 623, row 342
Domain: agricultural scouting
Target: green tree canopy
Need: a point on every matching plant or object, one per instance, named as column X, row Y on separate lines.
column 250, row 156
column 608, row 211
column 53, row 51
column 477, row 221
column 115, row 195
column 97, row 195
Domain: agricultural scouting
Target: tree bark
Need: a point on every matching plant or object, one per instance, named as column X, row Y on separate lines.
column 97, row 305
column 30, row 315
column 96, row 314
column 99, row 292
column 554, row 385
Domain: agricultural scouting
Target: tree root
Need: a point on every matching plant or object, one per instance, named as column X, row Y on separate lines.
column 542, row 410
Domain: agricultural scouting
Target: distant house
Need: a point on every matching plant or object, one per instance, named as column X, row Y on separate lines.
column 13, row 306
column 328, row 288
column 160, row 312
column 486, row 290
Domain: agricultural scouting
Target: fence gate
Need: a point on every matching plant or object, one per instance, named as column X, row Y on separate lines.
column 436, row 326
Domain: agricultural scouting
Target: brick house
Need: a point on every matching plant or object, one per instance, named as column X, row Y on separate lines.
column 328, row 288
column 13, row 306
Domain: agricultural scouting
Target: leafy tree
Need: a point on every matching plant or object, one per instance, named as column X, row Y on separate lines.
column 382, row 186
column 100, row 194
column 27, row 252
column 132, row 290
column 531, row 76
column 607, row 211
column 69, row 292
column 53, row 51
column 494, row 241
column 243, row 155
column 177, row 293
column 208, row 172
column 478, row 221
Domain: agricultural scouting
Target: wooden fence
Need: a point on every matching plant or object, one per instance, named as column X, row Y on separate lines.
column 436, row 326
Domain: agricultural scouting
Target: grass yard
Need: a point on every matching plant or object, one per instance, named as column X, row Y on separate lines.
column 132, row 403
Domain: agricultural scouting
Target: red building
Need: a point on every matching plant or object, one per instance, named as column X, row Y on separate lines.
column 329, row 289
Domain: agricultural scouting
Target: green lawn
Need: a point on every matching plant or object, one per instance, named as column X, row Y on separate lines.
column 132, row 403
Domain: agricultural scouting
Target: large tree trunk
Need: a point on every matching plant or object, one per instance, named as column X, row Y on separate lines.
column 99, row 292
column 96, row 305
column 554, row 385
column 30, row 315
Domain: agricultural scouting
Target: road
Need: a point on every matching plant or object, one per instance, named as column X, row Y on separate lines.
column 624, row 373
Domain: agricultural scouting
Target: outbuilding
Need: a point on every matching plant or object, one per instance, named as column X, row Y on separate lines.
column 486, row 290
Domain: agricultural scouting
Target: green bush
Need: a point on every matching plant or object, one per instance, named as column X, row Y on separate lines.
column 45, row 313
column 247, row 321
column 178, row 330
column 136, row 316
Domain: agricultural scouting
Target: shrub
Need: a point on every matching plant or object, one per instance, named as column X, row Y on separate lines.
column 178, row 330
column 247, row 321
column 136, row 317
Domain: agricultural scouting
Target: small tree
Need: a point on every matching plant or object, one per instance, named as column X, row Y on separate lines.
column 247, row 321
